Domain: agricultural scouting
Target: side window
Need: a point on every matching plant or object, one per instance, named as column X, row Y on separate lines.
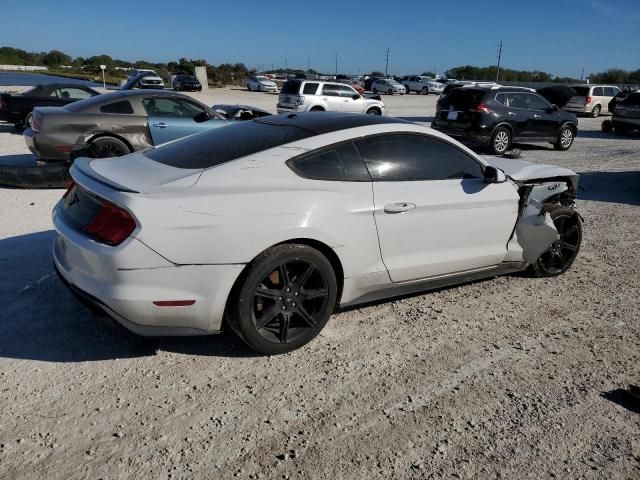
column 121, row 107
column 616, row 91
column 346, row 91
column 310, row 88
column 330, row 90
column 171, row 107
column 74, row 93
column 517, row 100
column 609, row 92
column 408, row 157
column 537, row 103
column 339, row 162
column 598, row 92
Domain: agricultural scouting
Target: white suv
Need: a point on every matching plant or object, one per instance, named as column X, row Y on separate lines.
column 420, row 84
column 299, row 95
column 150, row 79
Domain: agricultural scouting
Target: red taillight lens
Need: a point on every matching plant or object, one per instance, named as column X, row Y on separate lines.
column 482, row 107
column 111, row 225
column 70, row 184
column 587, row 100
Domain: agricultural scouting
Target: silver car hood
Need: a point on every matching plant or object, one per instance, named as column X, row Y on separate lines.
column 522, row 171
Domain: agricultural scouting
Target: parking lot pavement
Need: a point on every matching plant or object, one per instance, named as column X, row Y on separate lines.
column 512, row 377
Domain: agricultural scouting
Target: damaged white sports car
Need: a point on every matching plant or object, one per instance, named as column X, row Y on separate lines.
column 268, row 226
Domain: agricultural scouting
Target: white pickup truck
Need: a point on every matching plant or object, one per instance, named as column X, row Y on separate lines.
column 420, row 84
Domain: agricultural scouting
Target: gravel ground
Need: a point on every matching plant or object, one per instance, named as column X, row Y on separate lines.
column 507, row 378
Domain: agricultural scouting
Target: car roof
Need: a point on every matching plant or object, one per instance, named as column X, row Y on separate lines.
column 63, row 85
column 319, row 123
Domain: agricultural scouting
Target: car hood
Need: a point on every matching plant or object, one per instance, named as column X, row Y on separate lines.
column 267, row 82
column 522, row 171
column 137, row 173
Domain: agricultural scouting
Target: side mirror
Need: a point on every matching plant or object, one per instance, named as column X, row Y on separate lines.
column 494, row 175
column 355, row 97
column 552, row 108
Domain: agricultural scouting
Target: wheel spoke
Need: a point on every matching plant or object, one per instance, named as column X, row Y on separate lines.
column 267, row 317
column 284, row 327
column 270, row 293
column 568, row 246
column 284, row 274
column 313, row 293
column 305, row 316
column 571, row 231
column 305, row 276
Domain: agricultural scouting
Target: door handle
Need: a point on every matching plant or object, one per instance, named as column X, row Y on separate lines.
column 160, row 125
column 400, row 207
column 536, row 116
column 511, row 113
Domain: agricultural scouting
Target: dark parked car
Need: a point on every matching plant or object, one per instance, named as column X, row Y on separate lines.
column 118, row 123
column 626, row 112
column 17, row 108
column 240, row 112
column 496, row 117
column 187, row 82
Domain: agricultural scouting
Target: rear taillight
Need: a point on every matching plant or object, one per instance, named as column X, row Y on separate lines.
column 482, row 108
column 587, row 100
column 36, row 123
column 111, row 225
column 70, row 184
column 300, row 100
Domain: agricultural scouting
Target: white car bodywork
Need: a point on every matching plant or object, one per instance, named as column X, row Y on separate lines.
column 388, row 86
column 261, row 84
column 327, row 97
column 151, row 80
column 421, row 84
column 197, row 229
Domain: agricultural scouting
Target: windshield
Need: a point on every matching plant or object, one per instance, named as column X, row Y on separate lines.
column 291, row 87
column 225, row 144
column 261, row 79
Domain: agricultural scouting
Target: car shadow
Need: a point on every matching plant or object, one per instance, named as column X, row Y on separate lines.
column 624, row 398
column 614, row 187
column 21, row 159
column 41, row 320
column 9, row 128
column 599, row 135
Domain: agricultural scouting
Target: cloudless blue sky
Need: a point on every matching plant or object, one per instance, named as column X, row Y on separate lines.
column 560, row 37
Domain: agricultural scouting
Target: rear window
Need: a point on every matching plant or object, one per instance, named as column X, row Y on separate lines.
column 225, row 144
column 89, row 102
column 462, row 98
column 310, row 88
column 581, row 91
column 291, row 87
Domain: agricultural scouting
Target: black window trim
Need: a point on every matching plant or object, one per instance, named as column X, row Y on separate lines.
column 291, row 163
column 433, row 137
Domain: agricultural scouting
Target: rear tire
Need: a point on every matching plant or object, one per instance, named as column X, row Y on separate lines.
column 283, row 299
column 26, row 122
column 558, row 258
column 500, row 141
column 107, row 147
column 596, row 111
column 375, row 90
column 607, row 126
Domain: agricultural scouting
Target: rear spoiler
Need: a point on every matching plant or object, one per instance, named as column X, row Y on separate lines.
column 81, row 168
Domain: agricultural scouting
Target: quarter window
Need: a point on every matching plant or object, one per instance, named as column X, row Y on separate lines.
column 408, row 157
column 339, row 162
column 122, row 107
column 310, row 88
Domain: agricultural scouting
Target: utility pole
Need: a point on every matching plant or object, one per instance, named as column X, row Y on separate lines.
column 499, row 58
column 336, row 64
column 582, row 75
column 286, row 68
column 386, row 65
column 308, row 62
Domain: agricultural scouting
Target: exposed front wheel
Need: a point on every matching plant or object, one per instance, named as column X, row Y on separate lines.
column 285, row 299
column 559, row 257
column 500, row 141
column 425, row 91
column 565, row 139
column 105, row 147
column 374, row 111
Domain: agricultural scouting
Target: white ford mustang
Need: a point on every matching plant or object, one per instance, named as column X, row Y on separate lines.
column 273, row 223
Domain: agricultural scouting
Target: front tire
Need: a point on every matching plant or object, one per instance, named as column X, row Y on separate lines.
column 565, row 139
column 284, row 300
column 374, row 111
column 425, row 91
column 559, row 257
column 500, row 141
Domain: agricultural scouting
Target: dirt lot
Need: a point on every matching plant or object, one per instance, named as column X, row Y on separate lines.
column 512, row 378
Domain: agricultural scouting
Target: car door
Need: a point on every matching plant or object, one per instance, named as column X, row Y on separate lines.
column 170, row 118
column 331, row 96
column 609, row 93
column 351, row 100
column 543, row 120
column 434, row 213
column 597, row 97
column 516, row 113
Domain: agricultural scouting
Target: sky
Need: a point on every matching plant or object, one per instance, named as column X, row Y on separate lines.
column 560, row 37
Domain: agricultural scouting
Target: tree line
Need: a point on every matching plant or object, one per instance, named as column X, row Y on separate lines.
column 468, row 72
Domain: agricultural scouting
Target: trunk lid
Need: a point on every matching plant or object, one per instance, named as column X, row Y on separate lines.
column 458, row 106
column 135, row 173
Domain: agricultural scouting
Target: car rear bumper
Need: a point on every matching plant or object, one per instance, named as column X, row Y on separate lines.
column 471, row 136
column 288, row 108
column 45, row 147
column 124, row 281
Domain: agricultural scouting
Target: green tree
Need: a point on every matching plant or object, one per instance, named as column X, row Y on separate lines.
column 55, row 58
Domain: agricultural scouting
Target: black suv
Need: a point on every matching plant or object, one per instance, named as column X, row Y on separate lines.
column 497, row 116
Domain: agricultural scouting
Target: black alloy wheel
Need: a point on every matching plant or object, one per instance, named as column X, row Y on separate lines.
column 285, row 300
column 106, row 147
column 559, row 257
